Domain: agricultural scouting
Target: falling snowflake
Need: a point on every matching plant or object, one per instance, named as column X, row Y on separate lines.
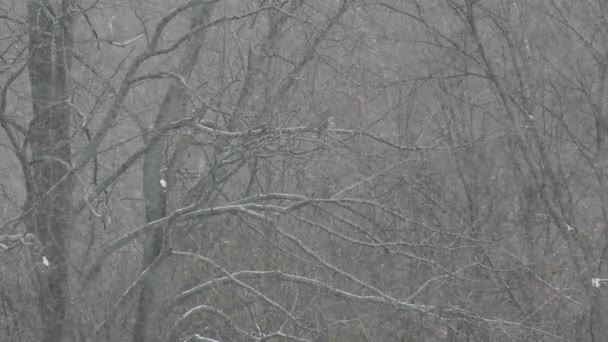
column 45, row 261
column 163, row 183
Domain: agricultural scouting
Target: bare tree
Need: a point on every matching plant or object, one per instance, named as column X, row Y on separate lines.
column 214, row 170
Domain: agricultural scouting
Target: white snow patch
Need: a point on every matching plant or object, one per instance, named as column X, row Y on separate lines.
column 597, row 282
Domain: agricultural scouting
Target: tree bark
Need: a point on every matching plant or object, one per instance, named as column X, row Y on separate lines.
column 49, row 200
column 155, row 194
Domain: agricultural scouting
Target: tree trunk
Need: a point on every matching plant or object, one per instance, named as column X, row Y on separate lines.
column 49, row 199
column 599, row 304
column 155, row 195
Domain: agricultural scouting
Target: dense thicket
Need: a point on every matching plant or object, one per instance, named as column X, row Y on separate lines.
column 303, row 170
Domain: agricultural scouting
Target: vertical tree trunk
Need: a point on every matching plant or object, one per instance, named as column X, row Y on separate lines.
column 599, row 296
column 599, row 316
column 155, row 195
column 49, row 200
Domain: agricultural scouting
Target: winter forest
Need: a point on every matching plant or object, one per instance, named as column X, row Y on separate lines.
column 303, row 170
